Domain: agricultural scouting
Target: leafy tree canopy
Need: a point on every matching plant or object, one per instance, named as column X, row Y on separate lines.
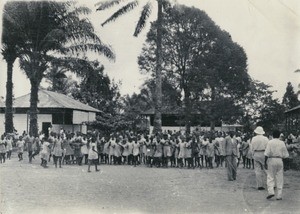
column 290, row 98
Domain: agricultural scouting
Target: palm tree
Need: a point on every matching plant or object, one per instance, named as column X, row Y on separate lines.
column 140, row 25
column 11, row 41
column 54, row 33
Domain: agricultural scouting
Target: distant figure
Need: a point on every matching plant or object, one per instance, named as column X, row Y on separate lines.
column 2, row 149
column 92, row 154
column 231, row 156
column 20, row 146
column 9, row 146
column 259, row 144
column 45, row 152
column 275, row 152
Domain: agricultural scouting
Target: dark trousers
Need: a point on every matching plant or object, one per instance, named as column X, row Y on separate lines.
column 217, row 160
column 222, row 159
column 57, row 158
column 8, row 154
column 30, row 156
column 173, row 161
column 157, row 161
column 20, row 156
column 189, row 162
column 135, row 160
column 244, row 160
column 210, row 162
column 2, row 157
column 231, row 167
column 180, row 162
column 86, row 161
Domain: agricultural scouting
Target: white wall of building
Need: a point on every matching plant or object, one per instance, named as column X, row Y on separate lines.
column 92, row 116
column 81, row 116
column 69, row 128
column 21, row 122
column 182, row 129
column 2, row 123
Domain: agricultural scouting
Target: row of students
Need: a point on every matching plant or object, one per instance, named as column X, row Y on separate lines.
column 160, row 150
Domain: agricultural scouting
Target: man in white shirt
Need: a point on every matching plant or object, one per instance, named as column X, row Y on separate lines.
column 259, row 144
column 274, row 153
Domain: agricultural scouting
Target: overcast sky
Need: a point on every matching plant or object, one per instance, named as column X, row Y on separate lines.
column 268, row 30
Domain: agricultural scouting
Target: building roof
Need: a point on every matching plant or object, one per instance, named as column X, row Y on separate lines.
column 50, row 99
column 293, row 109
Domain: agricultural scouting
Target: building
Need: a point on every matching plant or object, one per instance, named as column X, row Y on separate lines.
column 54, row 110
column 292, row 120
column 174, row 121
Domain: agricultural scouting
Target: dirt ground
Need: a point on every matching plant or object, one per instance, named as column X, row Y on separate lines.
column 29, row 188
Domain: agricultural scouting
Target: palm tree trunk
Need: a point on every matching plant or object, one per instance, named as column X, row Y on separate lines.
column 33, row 128
column 187, row 111
column 158, row 78
column 9, row 125
column 212, row 109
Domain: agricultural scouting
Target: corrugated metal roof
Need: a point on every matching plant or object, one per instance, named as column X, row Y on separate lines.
column 50, row 99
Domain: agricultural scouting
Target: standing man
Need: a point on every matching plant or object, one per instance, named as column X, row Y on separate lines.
column 231, row 155
column 275, row 152
column 259, row 144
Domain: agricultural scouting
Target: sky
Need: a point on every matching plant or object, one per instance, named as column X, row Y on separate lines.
column 268, row 30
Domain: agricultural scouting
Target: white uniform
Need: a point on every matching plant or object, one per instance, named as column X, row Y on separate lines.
column 259, row 144
column 275, row 151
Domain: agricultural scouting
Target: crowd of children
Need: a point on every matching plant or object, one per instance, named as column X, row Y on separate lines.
column 168, row 149
column 201, row 149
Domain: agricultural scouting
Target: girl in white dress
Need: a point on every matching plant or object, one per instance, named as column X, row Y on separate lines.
column 45, row 152
column 93, row 154
column 125, row 152
column 188, row 152
column 135, row 151
column 8, row 146
column 84, row 149
column 2, row 149
column 20, row 146
column 181, row 155
column 111, row 147
column 57, row 151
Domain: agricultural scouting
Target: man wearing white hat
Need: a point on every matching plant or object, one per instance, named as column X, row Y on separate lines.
column 259, row 144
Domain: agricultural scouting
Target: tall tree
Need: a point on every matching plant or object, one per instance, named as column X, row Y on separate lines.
column 53, row 31
column 11, row 42
column 200, row 59
column 97, row 89
column 161, row 4
column 290, row 98
column 259, row 106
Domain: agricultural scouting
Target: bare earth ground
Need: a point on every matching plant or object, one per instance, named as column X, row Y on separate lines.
column 29, row 188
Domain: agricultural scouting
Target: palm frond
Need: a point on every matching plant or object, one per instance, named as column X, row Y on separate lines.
column 98, row 48
column 143, row 18
column 107, row 4
column 81, row 11
column 52, row 40
column 128, row 7
column 73, row 64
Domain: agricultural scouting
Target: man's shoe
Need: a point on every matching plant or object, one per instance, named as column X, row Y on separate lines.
column 270, row 196
column 261, row 188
